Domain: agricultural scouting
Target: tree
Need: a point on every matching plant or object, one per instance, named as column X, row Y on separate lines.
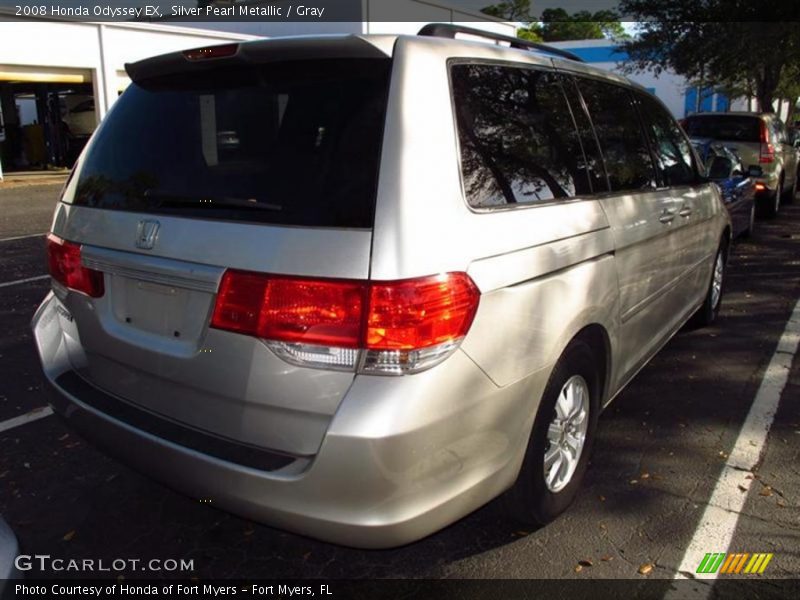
column 556, row 25
column 512, row 10
column 695, row 40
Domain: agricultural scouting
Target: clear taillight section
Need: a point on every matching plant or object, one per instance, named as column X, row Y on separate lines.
column 388, row 327
column 64, row 263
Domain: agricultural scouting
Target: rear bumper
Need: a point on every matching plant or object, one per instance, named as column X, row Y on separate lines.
column 770, row 181
column 402, row 458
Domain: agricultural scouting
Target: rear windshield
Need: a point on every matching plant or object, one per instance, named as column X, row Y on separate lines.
column 291, row 143
column 735, row 129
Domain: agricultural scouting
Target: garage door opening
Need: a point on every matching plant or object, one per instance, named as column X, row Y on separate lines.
column 47, row 116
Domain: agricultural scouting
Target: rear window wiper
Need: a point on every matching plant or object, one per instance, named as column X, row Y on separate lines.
column 211, row 201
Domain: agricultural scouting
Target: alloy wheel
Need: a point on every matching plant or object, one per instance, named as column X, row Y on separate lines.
column 716, row 282
column 566, row 434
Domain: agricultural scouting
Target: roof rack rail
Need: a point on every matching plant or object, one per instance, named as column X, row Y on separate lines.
column 447, row 30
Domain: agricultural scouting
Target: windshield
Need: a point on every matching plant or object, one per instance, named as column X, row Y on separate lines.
column 289, row 143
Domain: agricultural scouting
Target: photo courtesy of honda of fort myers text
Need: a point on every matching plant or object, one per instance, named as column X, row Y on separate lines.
column 394, row 298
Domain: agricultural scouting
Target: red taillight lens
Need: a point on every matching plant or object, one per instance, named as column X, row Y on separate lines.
column 419, row 313
column 767, row 154
column 326, row 313
column 64, row 262
column 405, row 317
column 221, row 51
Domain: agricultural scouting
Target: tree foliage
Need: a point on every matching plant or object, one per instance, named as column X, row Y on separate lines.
column 694, row 39
column 556, row 25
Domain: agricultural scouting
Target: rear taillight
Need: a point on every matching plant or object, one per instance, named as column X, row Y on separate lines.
column 389, row 327
column 767, row 154
column 64, row 262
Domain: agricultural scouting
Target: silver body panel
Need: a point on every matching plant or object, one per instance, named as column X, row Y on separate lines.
column 379, row 461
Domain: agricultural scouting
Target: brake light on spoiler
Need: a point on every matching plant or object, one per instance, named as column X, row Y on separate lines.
column 386, row 327
column 221, row 51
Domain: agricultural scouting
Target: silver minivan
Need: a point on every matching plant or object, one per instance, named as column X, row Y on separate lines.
column 358, row 286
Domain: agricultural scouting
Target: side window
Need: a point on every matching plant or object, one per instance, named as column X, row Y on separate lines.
column 671, row 148
column 518, row 141
column 625, row 150
column 593, row 158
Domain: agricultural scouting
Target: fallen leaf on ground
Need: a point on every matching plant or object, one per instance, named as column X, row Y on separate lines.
column 607, row 558
column 634, row 481
column 766, row 492
column 578, row 568
column 742, row 488
column 585, row 562
column 646, row 568
column 69, row 535
column 781, row 502
column 645, row 476
column 602, row 498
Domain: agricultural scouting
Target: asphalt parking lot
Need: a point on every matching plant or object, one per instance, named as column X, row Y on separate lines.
column 660, row 451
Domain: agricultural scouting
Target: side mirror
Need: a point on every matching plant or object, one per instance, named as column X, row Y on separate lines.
column 755, row 171
column 720, row 168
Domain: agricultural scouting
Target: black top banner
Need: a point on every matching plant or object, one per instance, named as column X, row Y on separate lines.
column 167, row 11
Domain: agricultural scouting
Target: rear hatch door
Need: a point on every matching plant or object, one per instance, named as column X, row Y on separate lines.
column 264, row 159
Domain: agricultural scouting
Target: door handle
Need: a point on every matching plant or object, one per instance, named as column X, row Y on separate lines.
column 685, row 211
column 667, row 216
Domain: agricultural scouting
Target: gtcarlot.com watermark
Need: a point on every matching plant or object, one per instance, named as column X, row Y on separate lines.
column 47, row 563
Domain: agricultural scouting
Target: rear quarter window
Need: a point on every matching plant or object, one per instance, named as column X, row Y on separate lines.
column 288, row 143
column 517, row 139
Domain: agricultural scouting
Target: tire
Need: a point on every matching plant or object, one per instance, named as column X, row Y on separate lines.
column 772, row 203
column 708, row 312
column 787, row 197
column 751, row 224
column 536, row 498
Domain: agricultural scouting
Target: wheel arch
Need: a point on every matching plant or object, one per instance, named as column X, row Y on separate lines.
column 597, row 338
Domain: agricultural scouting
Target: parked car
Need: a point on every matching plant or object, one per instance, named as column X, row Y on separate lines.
column 760, row 139
column 8, row 554
column 425, row 269
column 737, row 183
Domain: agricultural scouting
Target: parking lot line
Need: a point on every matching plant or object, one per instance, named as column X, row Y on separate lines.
column 716, row 528
column 21, row 281
column 21, row 237
column 34, row 415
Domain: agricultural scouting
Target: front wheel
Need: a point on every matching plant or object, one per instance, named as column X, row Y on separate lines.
column 708, row 312
column 561, row 440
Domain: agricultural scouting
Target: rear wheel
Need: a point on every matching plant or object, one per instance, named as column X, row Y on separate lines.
column 772, row 203
column 790, row 194
column 561, row 440
column 751, row 223
column 707, row 313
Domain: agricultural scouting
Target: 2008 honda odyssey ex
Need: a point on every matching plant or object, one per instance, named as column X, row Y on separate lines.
column 358, row 286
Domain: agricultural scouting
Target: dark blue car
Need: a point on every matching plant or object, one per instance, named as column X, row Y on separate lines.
column 724, row 167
